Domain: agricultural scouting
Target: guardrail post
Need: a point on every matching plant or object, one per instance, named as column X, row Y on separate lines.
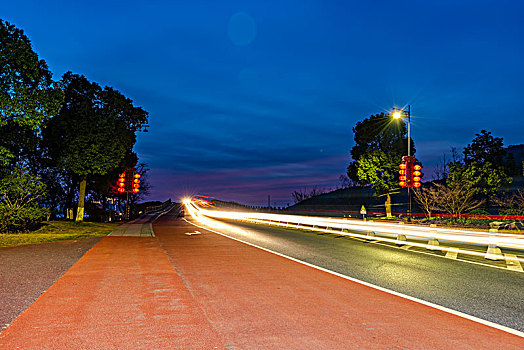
column 493, row 253
column 400, row 237
column 433, row 243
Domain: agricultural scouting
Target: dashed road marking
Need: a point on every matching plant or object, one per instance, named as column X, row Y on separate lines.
column 512, row 263
column 452, row 253
column 193, row 233
column 406, row 247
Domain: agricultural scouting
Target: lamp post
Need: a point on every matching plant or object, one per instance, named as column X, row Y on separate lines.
column 398, row 113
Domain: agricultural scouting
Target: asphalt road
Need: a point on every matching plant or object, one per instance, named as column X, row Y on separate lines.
column 489, row 293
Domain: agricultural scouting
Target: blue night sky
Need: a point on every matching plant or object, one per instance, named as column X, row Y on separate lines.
column 250, row 98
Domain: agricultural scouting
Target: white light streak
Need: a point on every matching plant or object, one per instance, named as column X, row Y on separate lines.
column 357, row 228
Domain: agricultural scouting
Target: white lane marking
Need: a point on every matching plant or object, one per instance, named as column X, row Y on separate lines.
column 452, row 253
column 427, row 303
column 512, row 262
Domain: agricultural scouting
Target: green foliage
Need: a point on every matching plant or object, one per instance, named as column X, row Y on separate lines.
column 379, row 132
column 380, row 144
column 94, row 129
column 485, row 149
column 483, row 168
column 484, row 178
column 478, row 212
column 19, row 195
column 511, row 212
column 378, row 169
column 27, row 94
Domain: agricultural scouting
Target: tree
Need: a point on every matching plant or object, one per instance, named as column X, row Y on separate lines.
column 28, row 95
column 19, row 195
column 482, row 168
column 455, row 200
column 484, row 178
column 380, row 144
column 485, row 149
column 380, row 170
column 513, row 204
column 93, row 130
column 427, row 198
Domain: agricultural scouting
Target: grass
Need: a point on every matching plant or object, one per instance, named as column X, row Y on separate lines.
column 58, row 231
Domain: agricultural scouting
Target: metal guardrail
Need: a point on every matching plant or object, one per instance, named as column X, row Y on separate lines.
column 498, row 217
column 156, row 208
column 387, row 232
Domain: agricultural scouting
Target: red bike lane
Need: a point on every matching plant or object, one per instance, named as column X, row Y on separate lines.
column 204, row 291
column 122, row 294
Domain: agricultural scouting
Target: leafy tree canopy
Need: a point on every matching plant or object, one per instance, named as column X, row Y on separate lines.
column 485, row 148
column 94, row 129
column 379, row 169
column 28, row 95
column 484, row 178
column 382, row 134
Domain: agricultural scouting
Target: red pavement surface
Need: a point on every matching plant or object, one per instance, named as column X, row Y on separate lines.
column 206, row 291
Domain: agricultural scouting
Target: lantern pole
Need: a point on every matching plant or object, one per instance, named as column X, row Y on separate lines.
column 127, row 206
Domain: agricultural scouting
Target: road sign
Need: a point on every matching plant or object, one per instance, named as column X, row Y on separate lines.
column 363, row 210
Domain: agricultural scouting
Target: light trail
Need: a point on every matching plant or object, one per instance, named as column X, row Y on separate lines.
column 363, row 228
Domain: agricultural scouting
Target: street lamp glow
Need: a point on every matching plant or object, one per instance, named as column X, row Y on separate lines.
column 397, row 115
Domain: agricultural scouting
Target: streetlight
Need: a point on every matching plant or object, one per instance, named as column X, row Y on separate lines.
column 398, row 113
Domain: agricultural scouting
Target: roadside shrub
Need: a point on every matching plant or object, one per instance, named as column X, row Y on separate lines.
column 478, row 212
column 19, row 195
column 511, row 212
column 17, row 219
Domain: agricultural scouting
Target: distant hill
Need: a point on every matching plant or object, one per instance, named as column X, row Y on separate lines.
column 352, row 199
